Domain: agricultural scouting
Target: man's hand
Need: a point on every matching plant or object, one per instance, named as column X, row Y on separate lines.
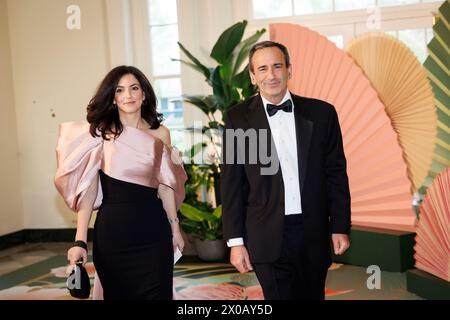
column 240, row 259
column 340, row 243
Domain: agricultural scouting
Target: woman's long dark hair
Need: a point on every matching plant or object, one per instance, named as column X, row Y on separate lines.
column 104, row 117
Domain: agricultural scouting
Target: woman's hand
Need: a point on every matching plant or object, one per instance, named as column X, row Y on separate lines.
column 76, row 253
column 177, row 241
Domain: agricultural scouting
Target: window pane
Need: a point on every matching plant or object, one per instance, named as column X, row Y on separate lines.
column 392, row 33
column 337, row 40
column 178, row 138
column 270, row 9
column 164, row 47
column 170, row 104
column 162, row 11
column 341, row 5
column 396, row 2
column 312, row 6
column 415, row 40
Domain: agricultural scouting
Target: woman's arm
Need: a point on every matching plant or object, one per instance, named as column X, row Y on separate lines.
column 84, row 214
column 167, row 196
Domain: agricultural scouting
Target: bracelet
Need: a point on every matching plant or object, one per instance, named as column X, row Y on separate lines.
column 174, row 220
column 81, row 244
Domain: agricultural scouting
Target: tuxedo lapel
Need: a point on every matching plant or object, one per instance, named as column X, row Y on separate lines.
column 303, row 130
column 257, row 119
column 256, row 115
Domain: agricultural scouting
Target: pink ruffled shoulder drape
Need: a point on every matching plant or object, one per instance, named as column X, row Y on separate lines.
column 135, row 156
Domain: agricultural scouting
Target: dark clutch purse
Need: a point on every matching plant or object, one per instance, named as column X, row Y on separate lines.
column 78, row 282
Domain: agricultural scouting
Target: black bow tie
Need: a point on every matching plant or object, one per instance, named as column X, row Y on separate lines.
column 285, row 106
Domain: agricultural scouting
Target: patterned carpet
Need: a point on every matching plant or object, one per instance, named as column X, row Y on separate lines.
column 45, row 280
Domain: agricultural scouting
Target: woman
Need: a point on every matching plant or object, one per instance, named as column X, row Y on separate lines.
column 121, row 162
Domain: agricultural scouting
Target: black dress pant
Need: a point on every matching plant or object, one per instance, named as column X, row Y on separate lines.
column 292, row 277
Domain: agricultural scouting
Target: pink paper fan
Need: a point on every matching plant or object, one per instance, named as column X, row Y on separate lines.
column 433, row 229
column 378, row 178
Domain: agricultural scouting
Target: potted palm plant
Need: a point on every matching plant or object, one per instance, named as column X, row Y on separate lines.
column 205, row 225
column 230, row 83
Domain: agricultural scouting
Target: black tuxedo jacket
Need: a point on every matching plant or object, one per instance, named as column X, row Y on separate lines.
column 253, row 203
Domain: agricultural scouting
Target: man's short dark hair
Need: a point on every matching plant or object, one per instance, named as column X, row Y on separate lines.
column 268, row 44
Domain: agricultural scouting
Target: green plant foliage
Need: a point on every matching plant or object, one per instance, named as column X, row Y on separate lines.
column 230, row 83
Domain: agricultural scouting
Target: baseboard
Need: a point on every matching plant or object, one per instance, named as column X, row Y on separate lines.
column 38, row 235
column 389, row 249
column 64, row 235
column 426, row 285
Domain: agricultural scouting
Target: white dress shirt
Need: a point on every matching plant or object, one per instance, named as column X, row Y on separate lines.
column 282, row 126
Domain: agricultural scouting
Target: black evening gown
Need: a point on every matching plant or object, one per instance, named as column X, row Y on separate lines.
column 132, row 245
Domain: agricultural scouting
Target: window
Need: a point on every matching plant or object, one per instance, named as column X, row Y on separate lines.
column 165, row 72
column 414, row 31
column 415, row 39
column 263, row 9
column 337, row 40
column 271, row 9
column 346, row 5
column 312, row 6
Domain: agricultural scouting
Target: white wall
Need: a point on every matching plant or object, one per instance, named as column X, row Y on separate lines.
column 11, row 214
column 55, row 73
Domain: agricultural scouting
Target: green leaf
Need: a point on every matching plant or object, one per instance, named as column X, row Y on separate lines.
column 249, row 90
column 244, row 82
column 191, row 65
column 245, row 47
column 240, row 78
column 227, row 41
column 194, row 214
column 209, row 80
column 200, row 102
column 218, row 212
column 213, row 125
column 191, row 227
column 199, row 66
column 218, row 86
column 196, row 148
column 191, row 213
column 226, row 70
column 234, row 96
column 212, row 103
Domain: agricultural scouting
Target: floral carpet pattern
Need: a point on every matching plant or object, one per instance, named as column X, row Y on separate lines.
column 46, row 280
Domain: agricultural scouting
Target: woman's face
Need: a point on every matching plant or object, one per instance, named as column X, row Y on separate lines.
column 129, row 95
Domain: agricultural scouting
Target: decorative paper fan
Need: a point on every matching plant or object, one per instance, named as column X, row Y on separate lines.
column 437, row 66
column 402, row 85
column 378, row 179
column 433, row 230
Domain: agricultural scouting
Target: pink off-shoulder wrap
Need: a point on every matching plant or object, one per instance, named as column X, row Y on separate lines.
column 135, row 156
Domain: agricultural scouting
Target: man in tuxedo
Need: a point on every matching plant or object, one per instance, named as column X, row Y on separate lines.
column 280, row 222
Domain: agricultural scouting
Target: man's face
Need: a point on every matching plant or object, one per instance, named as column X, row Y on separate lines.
column 270, row 73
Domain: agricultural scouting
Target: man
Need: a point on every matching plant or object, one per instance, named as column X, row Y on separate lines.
column 279, row 222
